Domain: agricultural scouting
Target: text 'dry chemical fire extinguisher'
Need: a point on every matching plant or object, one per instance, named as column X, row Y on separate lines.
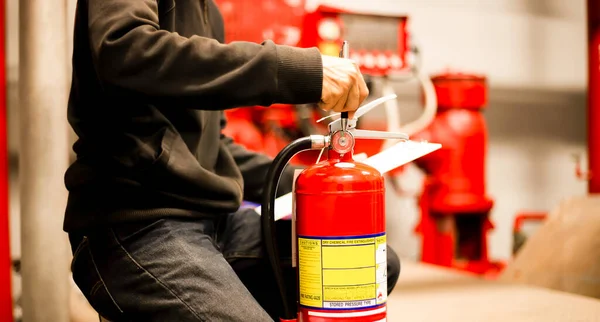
column 340, row 228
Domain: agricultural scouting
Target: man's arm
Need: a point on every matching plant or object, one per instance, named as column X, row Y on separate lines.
column 131, row 52
column 254, row 167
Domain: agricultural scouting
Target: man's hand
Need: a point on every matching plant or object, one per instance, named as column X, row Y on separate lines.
column 344, row 88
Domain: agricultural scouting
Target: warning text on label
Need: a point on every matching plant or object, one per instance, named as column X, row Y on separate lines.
column 347, row 305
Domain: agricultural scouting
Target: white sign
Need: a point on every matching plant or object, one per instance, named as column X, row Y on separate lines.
column 384, row 161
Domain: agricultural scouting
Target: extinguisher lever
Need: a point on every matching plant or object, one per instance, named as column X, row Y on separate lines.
column 336, row 125
column 359, row 112
column 370, row 134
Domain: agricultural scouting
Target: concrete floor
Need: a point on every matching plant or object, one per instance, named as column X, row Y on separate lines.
column 425, row 293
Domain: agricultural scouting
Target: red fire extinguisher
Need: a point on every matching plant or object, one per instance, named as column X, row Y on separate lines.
column 340, row 234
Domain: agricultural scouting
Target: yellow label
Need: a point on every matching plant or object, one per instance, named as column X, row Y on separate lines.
column 342, row 273
column 349, row 257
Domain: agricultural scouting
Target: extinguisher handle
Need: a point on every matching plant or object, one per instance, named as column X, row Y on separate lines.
column 363, row 109
column 344, row 53
column 369, row 134
column 336, row 125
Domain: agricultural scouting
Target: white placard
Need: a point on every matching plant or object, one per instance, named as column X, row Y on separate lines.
column 397, row 155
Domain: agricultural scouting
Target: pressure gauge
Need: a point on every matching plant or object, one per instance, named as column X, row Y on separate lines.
column 342, row 143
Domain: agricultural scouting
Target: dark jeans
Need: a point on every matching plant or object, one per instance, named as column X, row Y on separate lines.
column 186, row 270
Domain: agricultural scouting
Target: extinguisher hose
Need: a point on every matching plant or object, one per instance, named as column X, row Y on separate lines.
column 268, row 215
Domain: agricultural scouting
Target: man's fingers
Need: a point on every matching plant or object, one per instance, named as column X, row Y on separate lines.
column 363, row 89
column 340, row 104
column 328, row 99
column 353, row 101
column 344, row 87
column 322, row 105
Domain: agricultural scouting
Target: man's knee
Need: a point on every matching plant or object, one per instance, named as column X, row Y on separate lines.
column 393, row 269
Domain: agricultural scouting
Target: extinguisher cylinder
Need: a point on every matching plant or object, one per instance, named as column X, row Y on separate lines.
column 341, row 242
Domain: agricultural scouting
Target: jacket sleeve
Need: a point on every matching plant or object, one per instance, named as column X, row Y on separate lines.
column 133, row 54
column 254, row 167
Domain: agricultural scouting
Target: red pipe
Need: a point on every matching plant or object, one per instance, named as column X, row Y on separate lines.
column 521, row 218
column 6, row 308
column 593, row 7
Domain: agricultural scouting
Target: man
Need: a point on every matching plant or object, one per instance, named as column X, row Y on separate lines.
column 154, row 194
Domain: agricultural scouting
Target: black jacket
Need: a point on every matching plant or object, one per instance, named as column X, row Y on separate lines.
column 151, row 79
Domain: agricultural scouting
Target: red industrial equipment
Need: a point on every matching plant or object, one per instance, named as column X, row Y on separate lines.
column 591, row 174
column 379, row 42
column 454, row 204
column 240, row 127
column 519, row 236
column 6, row 309
column 288, row 23
column 340, row 230
column 593, row 9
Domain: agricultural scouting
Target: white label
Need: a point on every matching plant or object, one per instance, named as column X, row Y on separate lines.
column 349, row 305
column 294, row 239
column 397, row 155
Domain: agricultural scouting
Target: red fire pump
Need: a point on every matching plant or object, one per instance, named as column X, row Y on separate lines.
column 340, row 229
column 455, row 207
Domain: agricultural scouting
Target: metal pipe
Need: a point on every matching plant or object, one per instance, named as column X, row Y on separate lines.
column 6, row 302
column 43, row 159
column 593, row 9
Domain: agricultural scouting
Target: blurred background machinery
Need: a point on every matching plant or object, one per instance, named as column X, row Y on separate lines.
column 379, row 45
column 455, row 206
column 476, row 197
